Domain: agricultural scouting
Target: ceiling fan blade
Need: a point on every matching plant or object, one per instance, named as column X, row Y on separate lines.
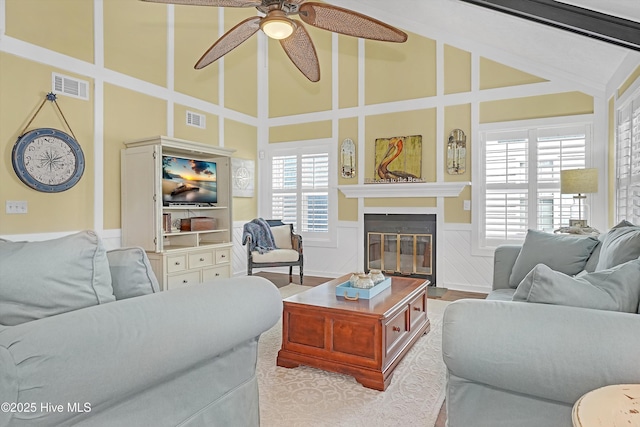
column 301, row 51
column 216, row 3
column 229, row 41
column 348, row 22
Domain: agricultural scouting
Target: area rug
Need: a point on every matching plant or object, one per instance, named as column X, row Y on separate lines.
column 309, row 397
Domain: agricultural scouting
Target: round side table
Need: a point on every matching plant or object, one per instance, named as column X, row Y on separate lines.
column 610, row 406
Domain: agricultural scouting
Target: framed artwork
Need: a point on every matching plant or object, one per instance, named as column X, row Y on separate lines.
column 398, row 159
column 243, row 177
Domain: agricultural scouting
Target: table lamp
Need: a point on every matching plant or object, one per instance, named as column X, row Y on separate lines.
column 579, row 181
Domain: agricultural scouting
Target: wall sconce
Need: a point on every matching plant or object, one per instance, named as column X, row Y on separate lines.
column 348, row 158
column 457, row 152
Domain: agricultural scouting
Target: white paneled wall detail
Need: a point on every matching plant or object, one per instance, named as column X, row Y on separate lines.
column 461, row 270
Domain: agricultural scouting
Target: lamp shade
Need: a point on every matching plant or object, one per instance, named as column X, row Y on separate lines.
column 579, row 181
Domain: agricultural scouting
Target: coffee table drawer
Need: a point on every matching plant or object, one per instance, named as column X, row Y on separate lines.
column 396, row 330
column 418, row 311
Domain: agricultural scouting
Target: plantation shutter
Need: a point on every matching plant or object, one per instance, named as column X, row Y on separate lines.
column 506, row 205
column 284, row 172
column 522, row 180
column 300, row 185
column 557, row 149
column 628, row 162
column 315, row 192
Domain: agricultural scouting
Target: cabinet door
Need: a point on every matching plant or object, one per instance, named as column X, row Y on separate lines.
column 140, row 186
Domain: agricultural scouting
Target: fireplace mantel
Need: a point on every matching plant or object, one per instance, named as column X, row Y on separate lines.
column 426, row 189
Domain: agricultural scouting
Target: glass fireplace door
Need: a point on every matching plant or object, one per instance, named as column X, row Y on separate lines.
column 400, row 253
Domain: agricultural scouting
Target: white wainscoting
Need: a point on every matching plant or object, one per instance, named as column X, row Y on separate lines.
column 461, row 270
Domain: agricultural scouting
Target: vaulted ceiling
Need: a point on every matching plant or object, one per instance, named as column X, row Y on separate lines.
column 499, row 35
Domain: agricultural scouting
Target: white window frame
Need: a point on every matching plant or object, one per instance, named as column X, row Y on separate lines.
column 632, row 178
column 479, row 245
column 328, row 239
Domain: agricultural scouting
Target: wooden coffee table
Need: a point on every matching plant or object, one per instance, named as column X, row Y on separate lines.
column 365, row 339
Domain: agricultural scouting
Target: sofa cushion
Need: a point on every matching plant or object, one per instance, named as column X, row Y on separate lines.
column 41, row 279
column 282, row 236
column 616, row 289
column 131, row 273
column 276, row 255
column 567, row 254
column 619, row 245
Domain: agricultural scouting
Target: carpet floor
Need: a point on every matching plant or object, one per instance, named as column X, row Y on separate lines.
column 309, row 397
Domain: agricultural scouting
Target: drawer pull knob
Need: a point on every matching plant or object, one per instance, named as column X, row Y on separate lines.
column 217, row 274
column 185, row 281
column 417, row 309
column 223, row 256
column 177, row 262
column 201, row 259
column 396, row 329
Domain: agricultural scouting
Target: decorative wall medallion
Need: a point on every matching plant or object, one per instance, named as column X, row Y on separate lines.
column 243, row 177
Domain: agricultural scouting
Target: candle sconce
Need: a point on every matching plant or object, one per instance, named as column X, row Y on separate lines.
column 348, row 158
column 457, row 152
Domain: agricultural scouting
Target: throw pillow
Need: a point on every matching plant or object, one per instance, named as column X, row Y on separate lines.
column 619, row 245
column 41, row 279
column 617, row 288
column 282, row 236
column 131, row 273
column 567, row 254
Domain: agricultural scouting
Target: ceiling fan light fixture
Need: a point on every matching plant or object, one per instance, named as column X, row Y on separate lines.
column 277, row 26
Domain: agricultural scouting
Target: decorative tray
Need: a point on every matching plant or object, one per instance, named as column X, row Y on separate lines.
column 349, row 292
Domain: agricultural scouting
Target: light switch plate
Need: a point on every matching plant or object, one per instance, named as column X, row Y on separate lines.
column 16, row 206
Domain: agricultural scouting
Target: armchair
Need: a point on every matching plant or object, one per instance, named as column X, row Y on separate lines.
column 288, row 252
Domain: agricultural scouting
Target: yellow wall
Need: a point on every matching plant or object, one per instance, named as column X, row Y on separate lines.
column 290, row 92
column 536, row 107
column 124, row 122
column 244, row 139
column 191, row 24
column 135, row 39
column 395, row 72
column 21, row 97
column 457, row 70
column 64, row 26
column 493, row 75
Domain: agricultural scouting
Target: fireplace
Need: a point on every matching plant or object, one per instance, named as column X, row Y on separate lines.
column 401, row 244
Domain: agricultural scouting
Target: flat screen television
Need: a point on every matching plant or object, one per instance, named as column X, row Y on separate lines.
column 188, row 182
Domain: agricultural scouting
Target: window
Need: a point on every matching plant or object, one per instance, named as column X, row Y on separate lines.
column 628, row 161
column 520, row 180
column 300, row 191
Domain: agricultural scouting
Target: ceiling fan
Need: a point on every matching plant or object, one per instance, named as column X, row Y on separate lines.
column 294, row 38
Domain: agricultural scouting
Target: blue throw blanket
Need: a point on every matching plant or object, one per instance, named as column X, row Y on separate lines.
column 260, row 234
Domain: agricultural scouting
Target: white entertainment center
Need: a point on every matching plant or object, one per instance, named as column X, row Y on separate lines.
column 182, row 219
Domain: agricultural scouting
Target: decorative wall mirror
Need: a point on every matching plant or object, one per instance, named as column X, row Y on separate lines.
column 457, row 152
column 348, row 158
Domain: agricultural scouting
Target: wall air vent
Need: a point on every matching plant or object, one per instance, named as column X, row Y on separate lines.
column 70, row 86
column 196, row 120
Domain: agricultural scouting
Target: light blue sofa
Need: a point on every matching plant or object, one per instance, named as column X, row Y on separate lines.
column 86, row 340
column 524, row 364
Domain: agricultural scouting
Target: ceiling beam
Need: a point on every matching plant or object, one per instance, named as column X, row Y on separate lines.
column 611, row 29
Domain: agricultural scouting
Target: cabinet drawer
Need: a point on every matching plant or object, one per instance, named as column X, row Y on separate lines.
column 216, row 273
column 396, row 331
column 182, row 280
column 417, row 311
column 200, row 259
column 223, row 256
column 176, row 263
